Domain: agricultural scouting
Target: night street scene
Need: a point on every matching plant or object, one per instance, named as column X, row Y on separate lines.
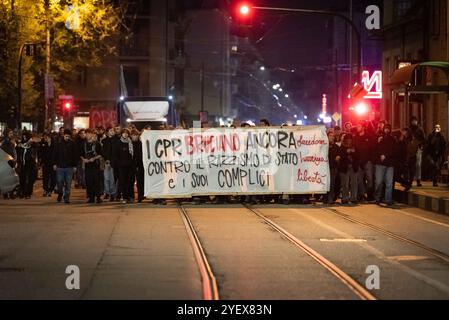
column 224, row 156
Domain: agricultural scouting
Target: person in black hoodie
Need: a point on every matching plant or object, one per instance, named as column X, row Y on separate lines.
column 384, row 160
column 364, row 143
column 65, row 160
column 123, row 159
column 348, row 166
column 110, row 182
column 27, row 157
column 436, row 149
column 334, row 157
column 90, row 157
column 138, row 165
column 46, row 150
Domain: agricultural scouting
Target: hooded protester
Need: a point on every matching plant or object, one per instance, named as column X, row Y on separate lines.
column 27, row 158
column 65, row 160
column 419, row 136
column 110, row 182
column 46, row 150
column 90, row 157
column 348, row 167
column 334, row 158
column 80, row 181
column 436, row 149
column 123, row 156
column 364, row 143
column 385, row 160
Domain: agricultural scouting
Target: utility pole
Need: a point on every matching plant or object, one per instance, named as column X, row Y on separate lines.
column 351, row 58
column 47, row 61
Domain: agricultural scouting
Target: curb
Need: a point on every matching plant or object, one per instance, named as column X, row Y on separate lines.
column 428, row 203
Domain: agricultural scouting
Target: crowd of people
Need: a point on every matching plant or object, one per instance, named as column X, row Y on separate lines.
column 365, row 163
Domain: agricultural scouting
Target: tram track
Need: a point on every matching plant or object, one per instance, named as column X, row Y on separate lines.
column 350, row 282
column 208, row 280
column 434, row 252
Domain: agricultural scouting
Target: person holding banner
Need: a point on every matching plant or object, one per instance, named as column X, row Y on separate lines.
column 138, row 165
column 123, row 156
column 334, row 158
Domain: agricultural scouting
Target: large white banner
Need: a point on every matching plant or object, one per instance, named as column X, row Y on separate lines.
column 225, row 161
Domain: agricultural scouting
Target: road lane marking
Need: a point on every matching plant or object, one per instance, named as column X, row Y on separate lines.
column 352, row 284
column 408, row 258
column 436, row 253
column 442, row 224
column 343, row 240
column 210, row 289
column 379, row 254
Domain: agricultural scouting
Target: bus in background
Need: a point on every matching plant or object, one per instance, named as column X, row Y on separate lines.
column 146, row 111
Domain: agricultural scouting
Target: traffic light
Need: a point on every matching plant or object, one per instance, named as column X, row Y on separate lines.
column 68, row 106
column 242, row 13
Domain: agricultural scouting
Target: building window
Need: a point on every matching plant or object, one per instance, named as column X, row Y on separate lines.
column 401, row 7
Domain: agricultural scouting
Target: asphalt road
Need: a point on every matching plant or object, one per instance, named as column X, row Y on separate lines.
column 144, row 251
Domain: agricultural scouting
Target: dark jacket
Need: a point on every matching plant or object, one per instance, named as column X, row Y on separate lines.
column 108, row 144
column 89, row 151
column 387, row 147
column 66, row 154
column 46, row 153
column 27, row 155
column 418, row 134
column 137, row 145
column 365, row 148
column 436, row 146
column 121, row 156
column 348, row 158
column 334, row 151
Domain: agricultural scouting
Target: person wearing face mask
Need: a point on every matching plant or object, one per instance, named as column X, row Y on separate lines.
column 385, row 159
column 419, row 136
column 436, row 149
column 65, row 160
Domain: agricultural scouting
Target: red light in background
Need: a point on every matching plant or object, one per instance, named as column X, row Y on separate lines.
column 244, row 10
column 68, row 106
column 361, row 109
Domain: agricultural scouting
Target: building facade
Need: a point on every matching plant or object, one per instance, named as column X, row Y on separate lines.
column 415, row 31
column 146, row 49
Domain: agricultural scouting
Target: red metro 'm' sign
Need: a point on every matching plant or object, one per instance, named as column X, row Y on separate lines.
column 372, row 84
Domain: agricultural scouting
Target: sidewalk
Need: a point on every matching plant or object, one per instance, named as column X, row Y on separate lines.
column 427, row 197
